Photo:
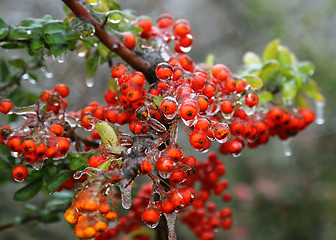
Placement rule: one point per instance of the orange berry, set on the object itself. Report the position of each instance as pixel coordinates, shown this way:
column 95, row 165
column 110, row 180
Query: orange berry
column 90, row 205
column 118, row 70
column 5, row 106
column 145, row 167
column 175, row 154
column 71, row 215
column 104, row 208
column 57, row 129
column 14, row 144
column 129, row 40
column 168, row 106
column 89, row 232
column 100, row 226
column 181, row 28
column 28, row 146
column 111, row 216
column 62, row 89
column 19, row 172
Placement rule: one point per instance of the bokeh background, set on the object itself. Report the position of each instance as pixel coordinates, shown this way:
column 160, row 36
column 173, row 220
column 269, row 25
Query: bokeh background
column 275, row 197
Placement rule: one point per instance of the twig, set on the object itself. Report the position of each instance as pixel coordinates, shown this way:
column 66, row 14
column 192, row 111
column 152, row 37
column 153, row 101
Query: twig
column 109, row 40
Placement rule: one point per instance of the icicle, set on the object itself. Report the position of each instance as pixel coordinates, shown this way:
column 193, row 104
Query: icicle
column 171, row 219
column 320, row 112
column 287, row 147
column 126, row 198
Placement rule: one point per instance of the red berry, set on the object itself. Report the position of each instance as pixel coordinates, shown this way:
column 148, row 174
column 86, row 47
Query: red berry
column 62, row 89
column 19, row 173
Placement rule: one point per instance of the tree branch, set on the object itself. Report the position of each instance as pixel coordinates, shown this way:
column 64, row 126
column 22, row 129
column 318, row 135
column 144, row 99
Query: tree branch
column 109, row 40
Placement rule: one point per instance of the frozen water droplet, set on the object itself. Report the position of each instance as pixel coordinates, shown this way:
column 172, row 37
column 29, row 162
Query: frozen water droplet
column 15, row 154
column 320, row 112
column 78, row 174
column 25, row 76
column 185, row 49
column 89, row 82
column 126, row 198
column 287, row 147
column 81, row 54
column 47, row 74
column 171, row 219
column 37, row 165
column 60, row 58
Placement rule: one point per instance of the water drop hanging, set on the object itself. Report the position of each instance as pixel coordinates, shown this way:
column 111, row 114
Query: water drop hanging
column 320, row 112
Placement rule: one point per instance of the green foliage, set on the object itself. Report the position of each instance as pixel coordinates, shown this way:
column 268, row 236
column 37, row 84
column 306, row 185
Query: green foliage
column 29, row 191
column 284, row 78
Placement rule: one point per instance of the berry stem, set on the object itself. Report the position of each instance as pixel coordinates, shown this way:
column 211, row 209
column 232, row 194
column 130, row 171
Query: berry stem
column 108, row 39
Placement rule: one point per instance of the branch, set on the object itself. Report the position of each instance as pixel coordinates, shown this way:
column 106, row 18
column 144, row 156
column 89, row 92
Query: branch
column 109, row 40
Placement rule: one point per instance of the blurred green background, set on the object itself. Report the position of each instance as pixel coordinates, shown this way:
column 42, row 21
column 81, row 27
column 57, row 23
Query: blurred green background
column 275, row 197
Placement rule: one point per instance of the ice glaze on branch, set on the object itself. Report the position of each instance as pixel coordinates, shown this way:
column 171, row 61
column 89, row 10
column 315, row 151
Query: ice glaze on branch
column 108, row 39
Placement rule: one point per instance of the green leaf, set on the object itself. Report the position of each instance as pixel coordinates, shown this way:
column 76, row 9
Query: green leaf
column 53, row 27
column 55, row 38
column 253, row 80
column 105, row 165
column 301, row 101
column 29, row 191
column 20, row 33
column 56, row 181
column 3, row 29
column 12, row 45
column 306, row 68
column 48, row 217
column 104, row 52
column 251, row 59
column 4, row 164
column 158, row 100
column 4, row 70
column 265, row 96
column 16, row 95
column 58, row 49
column 210, row 60
column 18, row 63
column 271, row 50
column 284, row 55
column 92, row 64
column 109, row 137
column 77, row 163
column 268, row 70
column 311, row 90
column 289, row 90
column 36, row 42
column 57, row 203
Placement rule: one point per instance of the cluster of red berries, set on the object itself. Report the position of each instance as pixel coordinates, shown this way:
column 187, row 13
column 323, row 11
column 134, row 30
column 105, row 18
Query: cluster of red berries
column 55, row 98
column 168, row 29
column 204, row 218
column 256, row 130
column 41, row 136
column 92, row 210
